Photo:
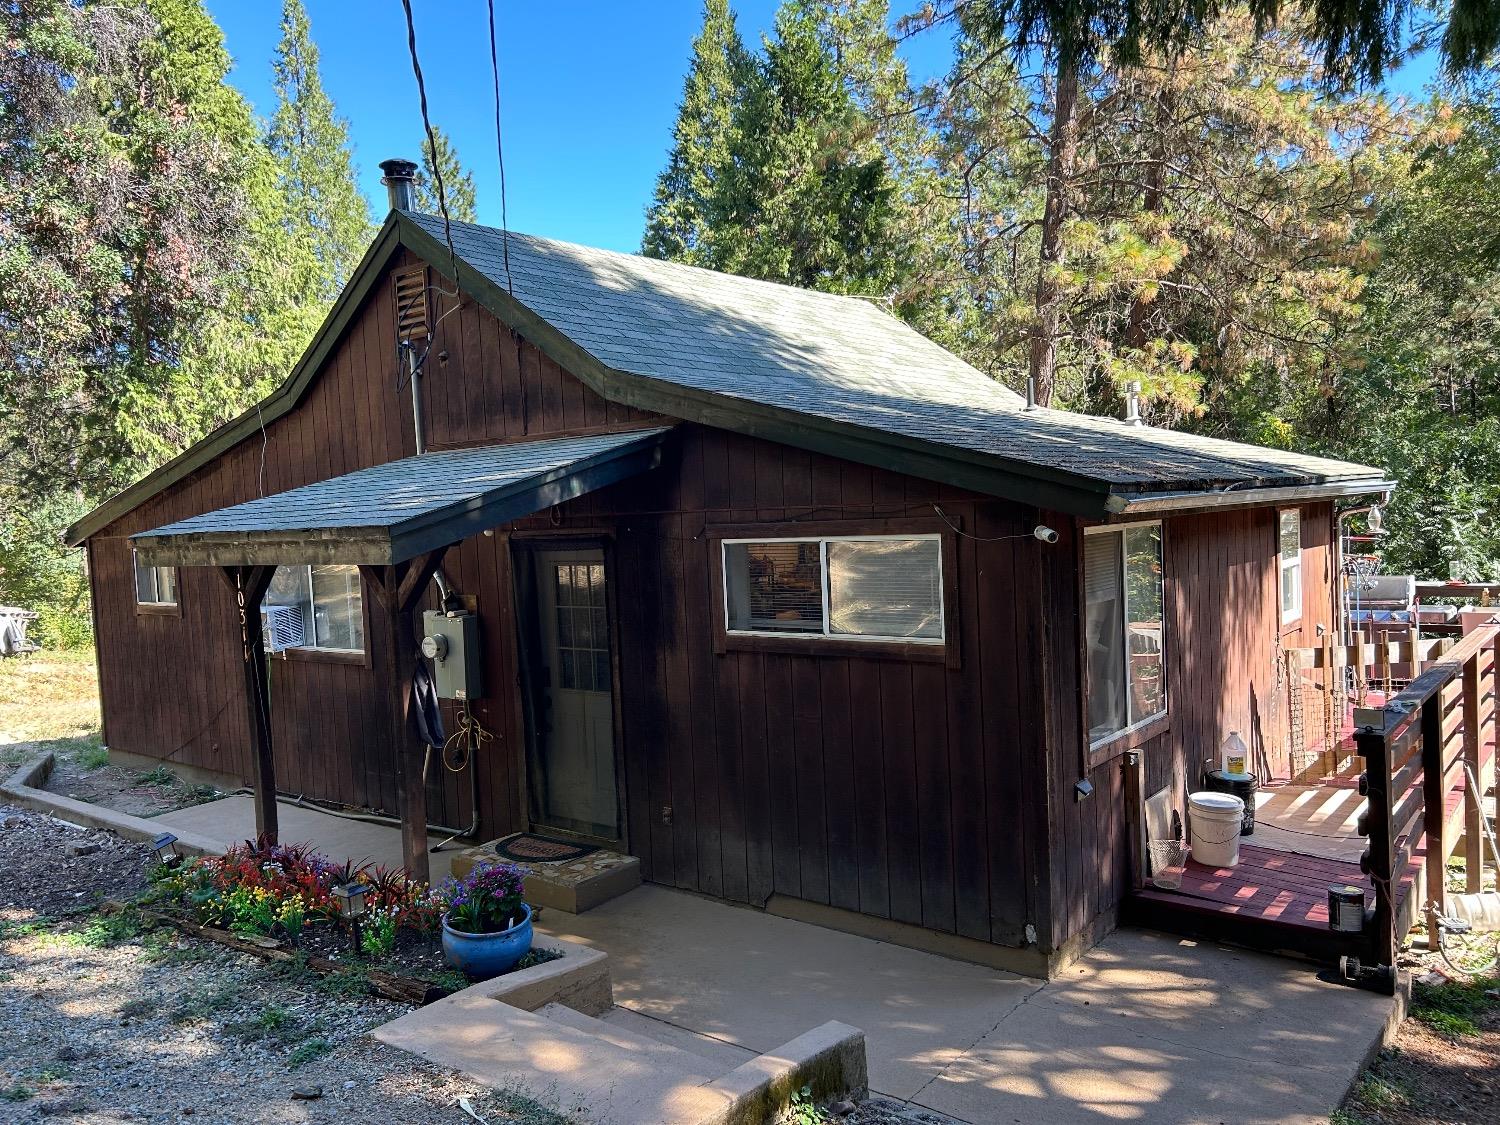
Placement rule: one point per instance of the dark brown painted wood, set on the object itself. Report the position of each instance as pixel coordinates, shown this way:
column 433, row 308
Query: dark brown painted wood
column 930, row 785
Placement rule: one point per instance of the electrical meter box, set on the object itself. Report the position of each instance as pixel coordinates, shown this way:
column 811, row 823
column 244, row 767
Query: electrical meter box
column 452, row 644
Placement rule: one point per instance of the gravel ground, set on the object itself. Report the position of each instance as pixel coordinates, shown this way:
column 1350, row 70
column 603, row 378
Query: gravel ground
column 159, row 1027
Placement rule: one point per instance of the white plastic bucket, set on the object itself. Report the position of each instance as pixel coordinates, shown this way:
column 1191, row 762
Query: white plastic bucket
column 1214, row 820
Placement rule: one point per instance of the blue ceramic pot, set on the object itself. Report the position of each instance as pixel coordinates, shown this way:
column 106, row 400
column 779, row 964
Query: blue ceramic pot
column 480, row 956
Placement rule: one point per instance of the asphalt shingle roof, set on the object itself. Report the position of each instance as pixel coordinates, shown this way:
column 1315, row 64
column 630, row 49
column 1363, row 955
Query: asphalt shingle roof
column 391, row 499
column 843, row 359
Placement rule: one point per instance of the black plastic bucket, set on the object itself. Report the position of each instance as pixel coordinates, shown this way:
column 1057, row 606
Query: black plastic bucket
column 1217, row 781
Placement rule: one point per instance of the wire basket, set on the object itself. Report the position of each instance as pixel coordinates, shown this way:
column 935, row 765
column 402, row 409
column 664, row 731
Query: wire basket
column 1168, row 859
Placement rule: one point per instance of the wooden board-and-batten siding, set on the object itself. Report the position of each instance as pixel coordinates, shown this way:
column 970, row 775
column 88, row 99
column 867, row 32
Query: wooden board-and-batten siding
column 917, row 789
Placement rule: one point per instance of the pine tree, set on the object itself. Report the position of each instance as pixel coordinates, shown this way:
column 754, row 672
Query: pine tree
column 458, row 181
column 677, row 222
column 324, row 204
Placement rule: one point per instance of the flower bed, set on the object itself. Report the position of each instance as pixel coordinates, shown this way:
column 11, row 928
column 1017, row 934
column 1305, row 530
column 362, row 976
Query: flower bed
column 286, row 893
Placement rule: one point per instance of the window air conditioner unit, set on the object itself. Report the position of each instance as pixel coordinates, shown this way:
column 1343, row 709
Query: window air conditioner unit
column 282, row 627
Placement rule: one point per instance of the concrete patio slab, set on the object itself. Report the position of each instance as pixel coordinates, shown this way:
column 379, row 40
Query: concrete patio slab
column 1145, row 1027
column 757, row 980
column 231, row 820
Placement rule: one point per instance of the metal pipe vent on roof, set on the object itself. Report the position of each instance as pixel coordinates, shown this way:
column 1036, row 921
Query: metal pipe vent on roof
column 400, row 182
column 1133, row 405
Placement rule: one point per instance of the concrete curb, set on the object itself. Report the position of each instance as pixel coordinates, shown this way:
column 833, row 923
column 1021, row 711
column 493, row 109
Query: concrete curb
column 24, row 788
column 829, row 1059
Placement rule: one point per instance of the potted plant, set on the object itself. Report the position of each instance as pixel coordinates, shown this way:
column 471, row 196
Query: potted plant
column 486, row 925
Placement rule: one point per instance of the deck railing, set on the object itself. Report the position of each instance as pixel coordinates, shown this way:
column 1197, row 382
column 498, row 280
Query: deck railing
column 1415, row 751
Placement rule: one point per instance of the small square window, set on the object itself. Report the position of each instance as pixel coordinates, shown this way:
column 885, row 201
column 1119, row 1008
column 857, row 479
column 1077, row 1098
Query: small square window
column 155, row 585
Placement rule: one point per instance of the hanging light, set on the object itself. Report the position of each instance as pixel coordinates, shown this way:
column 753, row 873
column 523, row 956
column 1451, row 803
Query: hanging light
column 165, row 847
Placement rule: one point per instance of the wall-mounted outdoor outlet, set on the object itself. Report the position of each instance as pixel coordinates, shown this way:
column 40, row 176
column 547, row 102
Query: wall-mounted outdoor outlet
column 666, row 814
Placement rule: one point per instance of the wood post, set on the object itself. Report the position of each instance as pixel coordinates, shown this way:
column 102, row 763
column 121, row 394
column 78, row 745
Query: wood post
column 399, row 588
column 1473, row 833
column 250, row 584
column 1435, row 815
column 1379, row 860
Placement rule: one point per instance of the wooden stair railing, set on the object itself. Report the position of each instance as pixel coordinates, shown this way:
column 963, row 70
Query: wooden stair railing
column 1415, row 750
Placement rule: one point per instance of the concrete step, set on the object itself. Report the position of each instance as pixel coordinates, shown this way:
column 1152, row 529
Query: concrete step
column 623, row 1080
column 642, row 1044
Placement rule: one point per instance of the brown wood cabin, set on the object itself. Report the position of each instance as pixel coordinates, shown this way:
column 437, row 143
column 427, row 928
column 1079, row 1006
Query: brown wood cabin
column 760, row 591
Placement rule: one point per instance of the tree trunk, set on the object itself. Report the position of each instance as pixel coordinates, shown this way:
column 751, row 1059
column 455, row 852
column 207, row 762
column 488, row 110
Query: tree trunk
column 1061, row 160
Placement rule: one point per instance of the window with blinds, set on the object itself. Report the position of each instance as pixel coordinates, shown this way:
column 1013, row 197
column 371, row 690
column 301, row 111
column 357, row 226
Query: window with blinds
column 857, row 587
column 1123, row 628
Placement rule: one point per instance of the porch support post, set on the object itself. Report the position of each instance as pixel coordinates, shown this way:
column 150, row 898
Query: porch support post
column 399, row 588
column 249, row 584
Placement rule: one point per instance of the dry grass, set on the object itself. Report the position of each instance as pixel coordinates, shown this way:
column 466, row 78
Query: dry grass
column 48, row 697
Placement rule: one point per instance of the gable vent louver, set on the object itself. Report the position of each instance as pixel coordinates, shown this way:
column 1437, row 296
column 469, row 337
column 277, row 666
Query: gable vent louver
column 411, row 304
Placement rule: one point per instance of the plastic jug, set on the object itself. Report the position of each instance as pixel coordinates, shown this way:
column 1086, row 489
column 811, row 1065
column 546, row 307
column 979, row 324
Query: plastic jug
column 1234, row 756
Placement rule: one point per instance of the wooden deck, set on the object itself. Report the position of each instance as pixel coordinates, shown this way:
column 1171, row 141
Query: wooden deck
column 1272, row 900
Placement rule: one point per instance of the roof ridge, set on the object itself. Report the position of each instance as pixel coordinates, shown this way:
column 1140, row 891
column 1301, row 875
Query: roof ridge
column 868, row 300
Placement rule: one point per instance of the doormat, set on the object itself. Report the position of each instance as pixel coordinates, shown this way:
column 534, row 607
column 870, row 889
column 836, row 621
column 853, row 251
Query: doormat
column 528, row 847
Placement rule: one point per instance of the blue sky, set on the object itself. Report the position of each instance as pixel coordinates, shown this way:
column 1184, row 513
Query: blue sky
column 589, row 91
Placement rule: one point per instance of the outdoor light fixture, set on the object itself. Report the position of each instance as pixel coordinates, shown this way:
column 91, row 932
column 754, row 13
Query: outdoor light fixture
column 351, row 899
column 165, row 847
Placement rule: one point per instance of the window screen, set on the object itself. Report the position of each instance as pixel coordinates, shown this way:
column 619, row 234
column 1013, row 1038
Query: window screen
column 883, row 588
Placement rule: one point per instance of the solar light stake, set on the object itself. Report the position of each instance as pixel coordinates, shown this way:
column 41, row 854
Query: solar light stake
column 165, row 847
column 351, row 900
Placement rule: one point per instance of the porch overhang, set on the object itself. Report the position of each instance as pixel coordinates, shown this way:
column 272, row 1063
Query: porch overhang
column 390, row 513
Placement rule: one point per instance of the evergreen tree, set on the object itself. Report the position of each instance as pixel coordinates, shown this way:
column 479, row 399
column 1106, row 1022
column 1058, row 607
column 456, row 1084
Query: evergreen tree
column 677, row 222
column 458, row 181
column 323, row 202
column 806, row 195
column 122, row 216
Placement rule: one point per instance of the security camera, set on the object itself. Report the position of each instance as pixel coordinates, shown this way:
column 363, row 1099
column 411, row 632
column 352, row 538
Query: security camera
column 1044, row 533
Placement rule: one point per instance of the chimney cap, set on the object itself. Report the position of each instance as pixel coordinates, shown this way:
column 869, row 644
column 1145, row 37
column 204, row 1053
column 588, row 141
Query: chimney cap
column 400, row 183
column 399, row 168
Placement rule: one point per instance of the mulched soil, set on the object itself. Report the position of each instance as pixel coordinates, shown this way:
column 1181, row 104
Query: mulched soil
column 104, row 1024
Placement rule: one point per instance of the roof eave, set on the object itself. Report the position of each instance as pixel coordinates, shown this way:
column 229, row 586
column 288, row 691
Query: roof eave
column 1127, row 505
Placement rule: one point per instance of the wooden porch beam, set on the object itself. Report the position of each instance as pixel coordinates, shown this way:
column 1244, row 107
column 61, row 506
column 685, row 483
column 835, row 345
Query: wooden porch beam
column 398, row 588
column 250, row 584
